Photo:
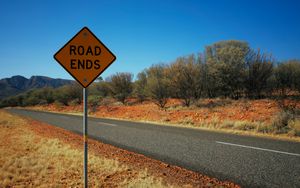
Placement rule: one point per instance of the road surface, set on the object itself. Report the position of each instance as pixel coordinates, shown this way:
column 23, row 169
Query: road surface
column 248, row 161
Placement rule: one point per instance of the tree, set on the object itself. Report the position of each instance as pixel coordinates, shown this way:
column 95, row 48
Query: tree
column 287, row 76
column 121, row 86
column 183, row 74
column 296, row 76
column 140, row 86
column 101, row 88
column 200, row 77
column 99, row 79
column 259, row 69
column 158, row 84
column 226, row 67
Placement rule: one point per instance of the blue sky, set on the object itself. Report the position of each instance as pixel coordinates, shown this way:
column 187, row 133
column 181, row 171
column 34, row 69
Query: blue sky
column 141, row 33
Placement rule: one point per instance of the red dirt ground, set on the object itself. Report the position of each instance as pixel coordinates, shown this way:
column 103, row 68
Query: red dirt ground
column 205, row 111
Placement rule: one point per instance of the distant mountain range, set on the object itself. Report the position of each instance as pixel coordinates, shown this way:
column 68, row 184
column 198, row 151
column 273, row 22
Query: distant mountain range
column 18, row 84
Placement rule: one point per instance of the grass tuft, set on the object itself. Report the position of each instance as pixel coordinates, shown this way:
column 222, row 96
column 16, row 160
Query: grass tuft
column 245, row 125
column 295, row 127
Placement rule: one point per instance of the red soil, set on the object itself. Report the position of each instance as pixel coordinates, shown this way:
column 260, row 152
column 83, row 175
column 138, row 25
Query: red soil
column 206, row 110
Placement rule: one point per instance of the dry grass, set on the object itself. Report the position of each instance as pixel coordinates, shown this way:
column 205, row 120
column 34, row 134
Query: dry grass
column 295, row 127
column 29, row 160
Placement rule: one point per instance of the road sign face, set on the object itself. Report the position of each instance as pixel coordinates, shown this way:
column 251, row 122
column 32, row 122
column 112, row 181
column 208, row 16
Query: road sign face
column 85, row 57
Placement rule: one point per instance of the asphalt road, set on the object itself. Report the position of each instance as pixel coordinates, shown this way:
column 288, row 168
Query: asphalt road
column 248, row 161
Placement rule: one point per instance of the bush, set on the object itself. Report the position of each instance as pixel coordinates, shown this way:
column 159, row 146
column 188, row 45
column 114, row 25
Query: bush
column 74, row 102
column 140, row 86
column 225, row 62
column 241, row 125
column 58, row 104
column 94, row 102
column 187, row 121
column 284, row 122
column 68, row 93
column 32, row 97
column 184, row 73
column 61, row 96
column 45, row 94
column 158, row 85
column 287, row 75
column 281, row 123
column 215, row 122
column 265, row 128
column 106, row 102
column 294, row 125
column 43, row 102
column 121, row 86
column 101, row 88
column 258, row 72
column 31, row 100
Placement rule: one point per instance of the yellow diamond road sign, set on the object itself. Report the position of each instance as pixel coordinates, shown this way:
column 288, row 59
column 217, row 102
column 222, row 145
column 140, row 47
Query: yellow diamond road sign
column 85, row 57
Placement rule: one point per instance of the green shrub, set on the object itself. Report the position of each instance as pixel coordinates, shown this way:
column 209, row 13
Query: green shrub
column 68, row 93
column 121, row 86
column 43, row 102
column 106, row 101
column 31, row 100
column 74, row 102
column 140, row 86
column 58, row 104
column 101, row 88
column 93, row 102
column 158, row 85
column 284, row 122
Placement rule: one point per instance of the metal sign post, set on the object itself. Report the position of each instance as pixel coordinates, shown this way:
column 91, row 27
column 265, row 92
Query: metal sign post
column 85, row 135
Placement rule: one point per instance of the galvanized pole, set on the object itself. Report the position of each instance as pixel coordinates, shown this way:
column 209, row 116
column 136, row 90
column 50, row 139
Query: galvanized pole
column 85, row 133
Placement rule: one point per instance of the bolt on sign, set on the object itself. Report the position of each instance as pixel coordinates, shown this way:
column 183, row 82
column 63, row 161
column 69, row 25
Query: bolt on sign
column 85, row 57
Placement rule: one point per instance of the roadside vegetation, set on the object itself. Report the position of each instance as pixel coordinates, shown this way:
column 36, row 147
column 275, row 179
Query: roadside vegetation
column 225, row 71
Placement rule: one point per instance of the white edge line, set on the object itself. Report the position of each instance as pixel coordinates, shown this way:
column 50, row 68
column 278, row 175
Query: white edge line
column 257, row 148
column 109, row 124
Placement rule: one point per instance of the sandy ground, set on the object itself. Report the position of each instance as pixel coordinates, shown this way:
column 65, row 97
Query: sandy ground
column 35, row 154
